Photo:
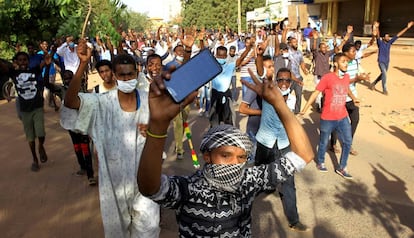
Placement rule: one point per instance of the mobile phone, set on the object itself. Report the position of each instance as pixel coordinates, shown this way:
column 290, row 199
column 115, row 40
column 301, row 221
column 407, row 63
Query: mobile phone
column 193, row 74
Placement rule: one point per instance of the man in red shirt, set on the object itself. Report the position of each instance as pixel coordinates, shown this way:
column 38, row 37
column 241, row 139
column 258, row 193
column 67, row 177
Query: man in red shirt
column 334, row 115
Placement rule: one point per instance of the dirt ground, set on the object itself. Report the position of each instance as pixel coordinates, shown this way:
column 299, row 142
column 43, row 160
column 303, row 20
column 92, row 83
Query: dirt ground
column 378, row 202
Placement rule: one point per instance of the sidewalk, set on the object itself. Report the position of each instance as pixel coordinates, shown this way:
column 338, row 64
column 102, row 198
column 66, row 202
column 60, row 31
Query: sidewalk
column 378, row 202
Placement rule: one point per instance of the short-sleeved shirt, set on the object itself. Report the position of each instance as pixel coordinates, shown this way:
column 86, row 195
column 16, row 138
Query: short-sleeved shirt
column 336, row 91
column 253, row 122
column 222, row 81
column 296, row 58
column 322, row 62
column 29, row 87
column 271, row 128
column 352, row 71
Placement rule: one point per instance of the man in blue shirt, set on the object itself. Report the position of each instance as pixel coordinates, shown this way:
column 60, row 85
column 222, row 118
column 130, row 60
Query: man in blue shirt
column 384, row 46
column 222, row 110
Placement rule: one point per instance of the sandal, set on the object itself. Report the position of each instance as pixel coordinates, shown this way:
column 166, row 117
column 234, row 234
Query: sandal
column 43, row 155
column 335, row 149
column 35, row 167
column 353, row 152
column 92, row 181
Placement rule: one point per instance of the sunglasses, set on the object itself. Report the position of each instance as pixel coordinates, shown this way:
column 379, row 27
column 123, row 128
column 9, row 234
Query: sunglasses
column 284, row 80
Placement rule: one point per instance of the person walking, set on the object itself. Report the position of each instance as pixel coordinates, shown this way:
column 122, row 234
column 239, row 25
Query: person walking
column 384, row 47
column 334, row 116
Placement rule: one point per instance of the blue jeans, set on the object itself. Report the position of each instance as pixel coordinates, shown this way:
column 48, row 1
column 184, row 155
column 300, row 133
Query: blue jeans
column 204, row 97
column 343, row 127
column 383, row 76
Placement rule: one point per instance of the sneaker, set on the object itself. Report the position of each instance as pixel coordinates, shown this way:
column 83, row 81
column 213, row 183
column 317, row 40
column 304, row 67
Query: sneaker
column 201, row 112
column 343, row 173
column 42, row 154
column 372, row 86
column 180, row 156
column 92, row 181
column 81, row 172
column 298, row 227
column 321, row 167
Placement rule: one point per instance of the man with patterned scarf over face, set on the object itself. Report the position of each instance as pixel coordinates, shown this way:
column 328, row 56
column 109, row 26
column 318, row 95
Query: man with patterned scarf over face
column 216, row 201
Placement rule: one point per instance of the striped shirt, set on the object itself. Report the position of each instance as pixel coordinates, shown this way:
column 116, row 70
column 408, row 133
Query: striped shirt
column 353, row 72
column 250, row 65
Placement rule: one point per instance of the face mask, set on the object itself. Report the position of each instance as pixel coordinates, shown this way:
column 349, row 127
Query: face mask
column 284, row 92
column 127, row 86
column 341, row 73
column 285, row 55
column 225, row 177
column 180, row 58
column 221, row 61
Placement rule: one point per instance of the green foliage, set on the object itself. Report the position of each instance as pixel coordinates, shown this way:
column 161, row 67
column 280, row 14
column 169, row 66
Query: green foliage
column 24, row 20
column 216, row 13
column 138, row 22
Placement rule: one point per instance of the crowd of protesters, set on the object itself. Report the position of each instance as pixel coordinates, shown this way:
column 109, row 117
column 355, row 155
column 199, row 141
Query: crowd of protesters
column 271, row 65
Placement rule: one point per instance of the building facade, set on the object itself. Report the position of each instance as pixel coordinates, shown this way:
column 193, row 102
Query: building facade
column 335, row 15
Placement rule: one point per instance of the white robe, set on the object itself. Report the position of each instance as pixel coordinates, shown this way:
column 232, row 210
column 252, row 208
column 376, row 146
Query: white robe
column 125, row 212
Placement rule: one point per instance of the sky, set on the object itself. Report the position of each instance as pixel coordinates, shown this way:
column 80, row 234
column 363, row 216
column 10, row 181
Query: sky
column 152, row 7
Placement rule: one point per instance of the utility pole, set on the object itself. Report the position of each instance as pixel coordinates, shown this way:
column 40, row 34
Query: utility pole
column 239, row 16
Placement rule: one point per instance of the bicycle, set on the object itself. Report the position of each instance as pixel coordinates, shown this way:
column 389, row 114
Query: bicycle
column 9, row 90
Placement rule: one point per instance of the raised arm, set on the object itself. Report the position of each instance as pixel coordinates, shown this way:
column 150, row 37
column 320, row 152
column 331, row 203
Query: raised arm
column 375, row 30
column 162, row 111
column 244, row 54
column 349, row 30
column 298, row 138
column 72, row 99
column 260, row 49
column 409, row 25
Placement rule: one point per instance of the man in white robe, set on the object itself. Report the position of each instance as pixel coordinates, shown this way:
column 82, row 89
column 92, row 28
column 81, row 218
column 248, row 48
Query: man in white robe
column 113, row 119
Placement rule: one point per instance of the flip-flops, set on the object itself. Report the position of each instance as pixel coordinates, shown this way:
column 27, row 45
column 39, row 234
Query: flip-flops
column 42, row 154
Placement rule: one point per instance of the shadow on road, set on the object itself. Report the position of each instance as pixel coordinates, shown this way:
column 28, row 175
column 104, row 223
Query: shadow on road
column 405, row 137
column 407, row 71
column 391, row 208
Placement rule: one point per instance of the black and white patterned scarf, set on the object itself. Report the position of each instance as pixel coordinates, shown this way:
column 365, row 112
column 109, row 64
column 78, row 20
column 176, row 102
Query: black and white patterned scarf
column 225, row 135
column 225, row 177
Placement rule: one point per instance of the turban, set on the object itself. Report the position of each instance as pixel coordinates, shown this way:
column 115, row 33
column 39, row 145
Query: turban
column 225, row 135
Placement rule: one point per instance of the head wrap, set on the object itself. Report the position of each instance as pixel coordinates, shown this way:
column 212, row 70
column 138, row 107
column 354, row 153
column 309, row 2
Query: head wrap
column 225, row 135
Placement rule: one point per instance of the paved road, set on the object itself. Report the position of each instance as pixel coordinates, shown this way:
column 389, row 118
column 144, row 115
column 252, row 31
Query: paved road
column 377, row 203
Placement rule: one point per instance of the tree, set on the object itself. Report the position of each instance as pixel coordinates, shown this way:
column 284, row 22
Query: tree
column 26, row 20
column 138, row 22
column 216, row 13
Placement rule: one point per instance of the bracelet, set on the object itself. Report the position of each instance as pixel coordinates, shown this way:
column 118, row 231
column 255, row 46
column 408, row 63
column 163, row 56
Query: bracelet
column 155, row 135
